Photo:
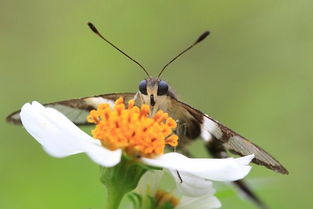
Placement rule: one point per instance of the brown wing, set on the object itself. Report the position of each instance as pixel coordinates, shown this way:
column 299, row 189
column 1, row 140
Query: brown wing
column 213, row 130
column 77, row 109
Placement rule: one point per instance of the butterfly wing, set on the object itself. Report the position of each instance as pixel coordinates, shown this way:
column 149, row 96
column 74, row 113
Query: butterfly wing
column 213, row 130
column 77, row 109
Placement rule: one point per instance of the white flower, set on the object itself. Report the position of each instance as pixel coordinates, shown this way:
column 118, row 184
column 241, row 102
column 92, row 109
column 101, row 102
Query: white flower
column 59, row 137
column 191, row 185
column 149, row 184
column 207, row 201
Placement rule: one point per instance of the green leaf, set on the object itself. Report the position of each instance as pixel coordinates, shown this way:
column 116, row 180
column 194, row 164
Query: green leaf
column 136, row 199
column 152, row 201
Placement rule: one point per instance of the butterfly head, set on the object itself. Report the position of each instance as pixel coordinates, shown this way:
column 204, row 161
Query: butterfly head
column 154, row 91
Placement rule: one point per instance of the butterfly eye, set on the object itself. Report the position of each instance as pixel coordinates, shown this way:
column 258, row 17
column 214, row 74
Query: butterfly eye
column 143, row 87
column 162, row 88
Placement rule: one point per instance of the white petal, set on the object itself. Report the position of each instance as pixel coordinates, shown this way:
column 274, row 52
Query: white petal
column 192, row 186
column 60, row 137
column 228, row 169
column 204, row 202
column 101, row 155
column 150, row 182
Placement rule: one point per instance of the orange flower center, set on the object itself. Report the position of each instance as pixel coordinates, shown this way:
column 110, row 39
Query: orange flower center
column 132, row 130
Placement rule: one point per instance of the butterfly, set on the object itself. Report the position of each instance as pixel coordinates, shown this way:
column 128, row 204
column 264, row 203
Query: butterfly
column 192, row 123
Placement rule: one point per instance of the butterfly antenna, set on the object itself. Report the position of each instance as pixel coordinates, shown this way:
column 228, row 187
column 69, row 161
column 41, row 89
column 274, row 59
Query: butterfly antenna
column 95, row 30
column 201, row 38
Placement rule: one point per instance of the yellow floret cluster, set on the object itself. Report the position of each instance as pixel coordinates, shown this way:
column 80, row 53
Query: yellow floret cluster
column 132, row 130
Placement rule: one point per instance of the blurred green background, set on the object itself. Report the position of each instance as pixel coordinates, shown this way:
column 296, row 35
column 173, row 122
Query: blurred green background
column 254, row 74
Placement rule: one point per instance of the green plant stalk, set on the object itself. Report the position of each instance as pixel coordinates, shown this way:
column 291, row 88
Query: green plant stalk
column 121, row 179
column 114, row 198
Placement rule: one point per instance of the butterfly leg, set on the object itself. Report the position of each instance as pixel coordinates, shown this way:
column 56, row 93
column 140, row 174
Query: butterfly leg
column 216, row 149
column 181, row 132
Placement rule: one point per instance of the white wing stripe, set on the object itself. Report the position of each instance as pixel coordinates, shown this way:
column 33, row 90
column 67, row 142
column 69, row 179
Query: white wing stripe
column 95, row 101
column 209, row 128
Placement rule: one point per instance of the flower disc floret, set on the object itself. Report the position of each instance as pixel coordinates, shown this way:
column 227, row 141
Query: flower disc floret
column 132, row 130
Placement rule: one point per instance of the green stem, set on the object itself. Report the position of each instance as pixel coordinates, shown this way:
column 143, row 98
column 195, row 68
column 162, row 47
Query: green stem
column 120, row 180
column 114, row 198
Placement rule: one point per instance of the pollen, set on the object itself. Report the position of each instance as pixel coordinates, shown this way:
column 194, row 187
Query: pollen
column 132, row 130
